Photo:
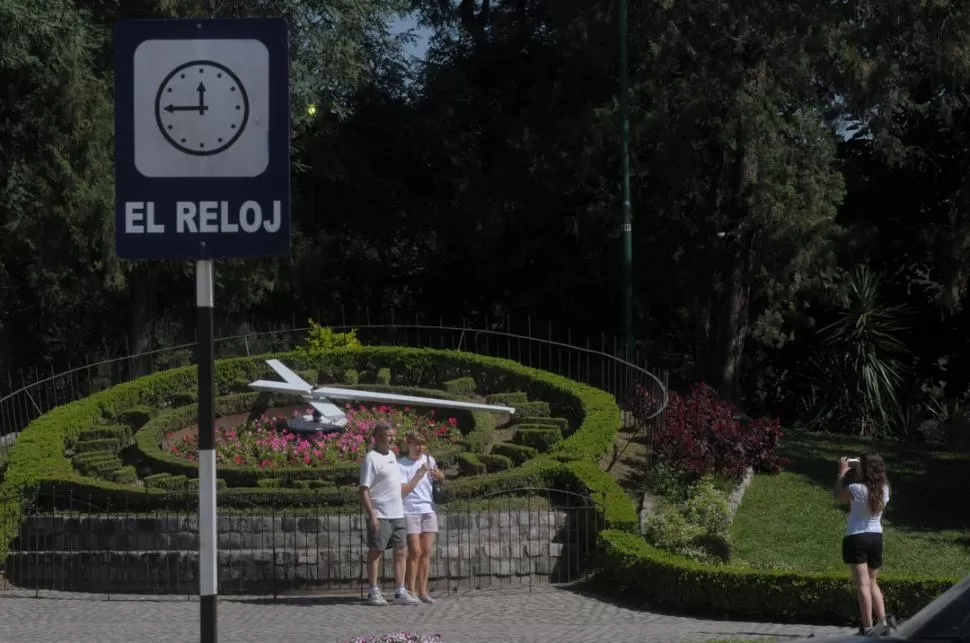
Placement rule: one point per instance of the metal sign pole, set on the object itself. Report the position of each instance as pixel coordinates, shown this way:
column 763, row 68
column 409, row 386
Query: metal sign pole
column 208, row 554
column 625, row 156
column 202, row 172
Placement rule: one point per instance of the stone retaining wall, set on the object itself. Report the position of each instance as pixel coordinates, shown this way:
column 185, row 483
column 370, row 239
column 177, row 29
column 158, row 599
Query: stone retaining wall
column 274, row 553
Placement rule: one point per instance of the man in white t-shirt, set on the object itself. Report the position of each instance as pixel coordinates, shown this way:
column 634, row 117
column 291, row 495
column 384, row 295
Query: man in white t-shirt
column 382, row 487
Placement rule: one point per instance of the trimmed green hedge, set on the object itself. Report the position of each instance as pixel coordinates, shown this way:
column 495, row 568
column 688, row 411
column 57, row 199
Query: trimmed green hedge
column 137, row 416
column 463, row 386
column 476, row 464
column 118, row 432
column 494, row 462
column 518, row 453
column 508, row 399
column 524, row 410
column 37, row 458
column 166, row 481
column 540, row 438
column 631, row 566
column 184, row 398
column 97, row 445
column 98, row 464
column 561, row 423
column 470, row 465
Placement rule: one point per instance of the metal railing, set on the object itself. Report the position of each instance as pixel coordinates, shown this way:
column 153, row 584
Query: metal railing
column 597, row 363
column 516, row 538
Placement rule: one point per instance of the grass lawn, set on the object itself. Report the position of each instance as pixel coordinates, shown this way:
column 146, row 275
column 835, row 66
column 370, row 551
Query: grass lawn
column 789, row 521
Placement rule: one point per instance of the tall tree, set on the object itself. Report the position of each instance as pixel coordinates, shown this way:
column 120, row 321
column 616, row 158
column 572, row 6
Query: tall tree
column 58, row 271
column 904, row 78
column 738, row 185
column 337, row 47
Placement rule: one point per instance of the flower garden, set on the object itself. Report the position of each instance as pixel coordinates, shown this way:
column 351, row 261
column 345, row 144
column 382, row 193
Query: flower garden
column 133, row 446
column 267, row 443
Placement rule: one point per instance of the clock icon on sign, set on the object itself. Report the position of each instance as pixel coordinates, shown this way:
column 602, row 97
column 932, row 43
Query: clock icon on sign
column 201, row 108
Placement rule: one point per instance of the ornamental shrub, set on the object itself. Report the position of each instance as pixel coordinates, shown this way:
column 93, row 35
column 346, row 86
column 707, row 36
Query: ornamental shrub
column 701, row 436
column 669, row 529
column 707, row 508
column 696, row 527
column 321, row 340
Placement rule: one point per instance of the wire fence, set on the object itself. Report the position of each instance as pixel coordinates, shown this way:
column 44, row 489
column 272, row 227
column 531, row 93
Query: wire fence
column 517, row 538
column 596, row 362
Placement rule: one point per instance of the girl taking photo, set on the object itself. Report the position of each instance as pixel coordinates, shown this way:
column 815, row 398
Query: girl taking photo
column 862, row 543
column 420, row 518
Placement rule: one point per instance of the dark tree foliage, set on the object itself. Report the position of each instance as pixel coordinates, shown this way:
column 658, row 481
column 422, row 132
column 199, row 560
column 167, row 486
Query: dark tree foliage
column 799, row 180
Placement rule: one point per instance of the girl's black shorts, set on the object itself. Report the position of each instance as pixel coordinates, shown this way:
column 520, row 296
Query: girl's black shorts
column 863, row 548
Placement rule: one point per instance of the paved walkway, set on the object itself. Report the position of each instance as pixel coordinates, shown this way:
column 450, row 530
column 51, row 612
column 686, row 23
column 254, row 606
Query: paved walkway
column 546, row 614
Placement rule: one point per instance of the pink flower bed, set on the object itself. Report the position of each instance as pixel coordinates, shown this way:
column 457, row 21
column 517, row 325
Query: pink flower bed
column 267, row 443
column 398, row 637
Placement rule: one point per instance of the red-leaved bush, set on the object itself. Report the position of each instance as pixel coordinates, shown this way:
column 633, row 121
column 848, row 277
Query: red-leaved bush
column 700, row 435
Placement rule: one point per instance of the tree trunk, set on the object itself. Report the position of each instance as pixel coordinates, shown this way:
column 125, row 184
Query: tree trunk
column 733, row 315
column 706, row 295
column 733, row 326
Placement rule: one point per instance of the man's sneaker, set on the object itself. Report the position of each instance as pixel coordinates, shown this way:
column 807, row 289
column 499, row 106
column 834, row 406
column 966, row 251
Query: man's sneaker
column 406, row 598
column 426, row 599
column 376, row 598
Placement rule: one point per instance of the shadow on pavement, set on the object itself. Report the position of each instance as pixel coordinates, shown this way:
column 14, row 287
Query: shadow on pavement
column 296, row 601
column 603, row 591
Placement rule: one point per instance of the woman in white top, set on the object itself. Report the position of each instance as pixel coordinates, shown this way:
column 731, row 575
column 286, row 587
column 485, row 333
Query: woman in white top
column 862, row 543
column 420, row 518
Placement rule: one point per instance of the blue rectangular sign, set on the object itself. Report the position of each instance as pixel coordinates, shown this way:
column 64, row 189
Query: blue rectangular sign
column 202, row 138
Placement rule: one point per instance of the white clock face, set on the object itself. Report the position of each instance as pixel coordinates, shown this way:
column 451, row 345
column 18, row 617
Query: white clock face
column 201, row 108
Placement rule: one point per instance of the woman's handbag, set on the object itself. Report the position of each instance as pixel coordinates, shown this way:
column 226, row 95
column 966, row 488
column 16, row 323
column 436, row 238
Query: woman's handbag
column 437, row 493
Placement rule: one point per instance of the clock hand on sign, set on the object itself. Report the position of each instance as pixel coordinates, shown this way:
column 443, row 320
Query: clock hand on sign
column 201, row 108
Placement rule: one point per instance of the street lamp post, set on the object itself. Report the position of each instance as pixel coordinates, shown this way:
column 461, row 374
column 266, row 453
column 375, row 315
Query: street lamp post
column 625, row 156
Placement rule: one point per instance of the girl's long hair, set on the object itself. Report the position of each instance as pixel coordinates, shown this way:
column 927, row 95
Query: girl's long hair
column 873, row 474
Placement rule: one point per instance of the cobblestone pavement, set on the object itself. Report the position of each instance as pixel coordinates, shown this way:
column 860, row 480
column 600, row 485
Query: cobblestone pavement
column 545, row 614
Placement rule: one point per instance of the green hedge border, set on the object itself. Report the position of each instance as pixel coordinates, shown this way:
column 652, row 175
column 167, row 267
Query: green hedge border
column 37, row 458
column 636, row 569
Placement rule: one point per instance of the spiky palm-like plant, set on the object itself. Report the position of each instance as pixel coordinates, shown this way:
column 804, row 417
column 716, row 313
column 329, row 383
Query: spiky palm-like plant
column 858, row 370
